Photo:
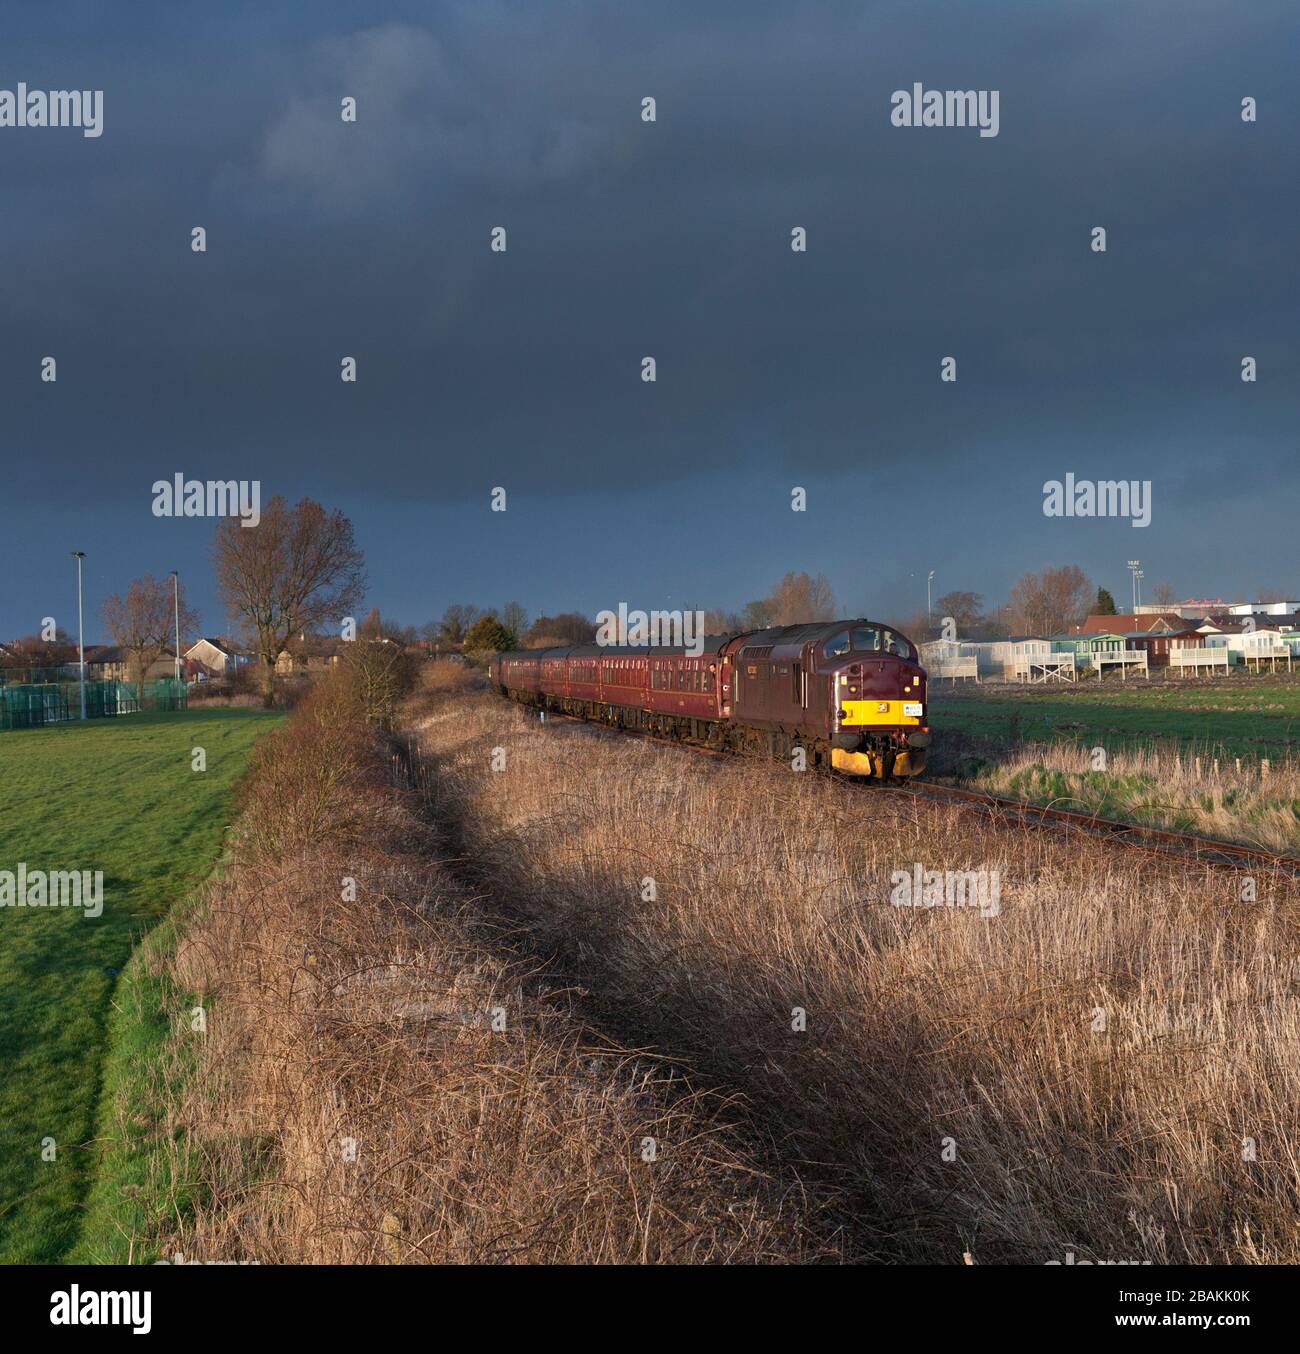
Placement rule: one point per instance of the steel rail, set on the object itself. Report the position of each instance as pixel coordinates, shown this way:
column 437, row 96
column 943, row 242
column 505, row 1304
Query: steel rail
column 1162, row 841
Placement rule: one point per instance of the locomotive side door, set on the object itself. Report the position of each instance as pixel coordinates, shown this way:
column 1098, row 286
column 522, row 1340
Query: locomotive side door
column 799, row 671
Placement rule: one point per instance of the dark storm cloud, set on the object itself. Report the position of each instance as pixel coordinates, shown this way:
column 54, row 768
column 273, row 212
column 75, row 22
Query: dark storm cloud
column 671, row 239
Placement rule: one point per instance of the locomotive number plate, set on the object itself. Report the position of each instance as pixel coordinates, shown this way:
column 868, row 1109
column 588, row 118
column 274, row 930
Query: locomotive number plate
column 913, row 709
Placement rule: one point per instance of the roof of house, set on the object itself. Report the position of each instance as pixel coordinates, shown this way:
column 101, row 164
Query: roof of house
column 315, row 646
column 218, row 644
column 1162, row 634
column 1127, row 621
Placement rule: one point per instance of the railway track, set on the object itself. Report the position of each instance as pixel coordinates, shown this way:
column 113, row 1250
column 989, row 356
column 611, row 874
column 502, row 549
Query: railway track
column 1140, row 836
column 1137, row 836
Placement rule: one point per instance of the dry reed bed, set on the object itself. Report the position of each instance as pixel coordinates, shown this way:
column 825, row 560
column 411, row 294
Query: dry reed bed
column 1184, row 791
column 352, row 1101
column 1078, row 1073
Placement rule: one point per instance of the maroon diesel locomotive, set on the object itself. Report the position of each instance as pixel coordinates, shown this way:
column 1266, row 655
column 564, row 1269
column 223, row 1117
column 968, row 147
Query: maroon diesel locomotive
column 850, row 693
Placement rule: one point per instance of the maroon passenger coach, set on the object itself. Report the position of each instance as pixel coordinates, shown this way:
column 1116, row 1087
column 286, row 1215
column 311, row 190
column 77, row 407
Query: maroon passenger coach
column 851, row 694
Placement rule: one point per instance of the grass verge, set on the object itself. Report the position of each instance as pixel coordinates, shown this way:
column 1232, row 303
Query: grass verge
column 121, row 796
column 384, row 1078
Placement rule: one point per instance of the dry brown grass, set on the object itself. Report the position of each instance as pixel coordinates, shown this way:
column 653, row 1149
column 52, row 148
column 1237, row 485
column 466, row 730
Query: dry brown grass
column 354, row 1099
column 1092, row 1058
column 1213, row 796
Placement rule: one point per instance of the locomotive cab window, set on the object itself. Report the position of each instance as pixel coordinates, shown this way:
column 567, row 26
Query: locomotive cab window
column 838, row 646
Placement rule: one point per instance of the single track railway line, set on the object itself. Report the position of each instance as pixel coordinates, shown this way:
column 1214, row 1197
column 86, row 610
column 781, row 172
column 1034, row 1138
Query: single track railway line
column 1184, row 846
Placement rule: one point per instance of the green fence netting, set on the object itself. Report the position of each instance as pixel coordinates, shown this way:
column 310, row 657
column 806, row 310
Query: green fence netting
column 30, row 705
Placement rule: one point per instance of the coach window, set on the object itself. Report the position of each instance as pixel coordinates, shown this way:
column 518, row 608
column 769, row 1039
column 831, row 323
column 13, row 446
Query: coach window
column 838, row 646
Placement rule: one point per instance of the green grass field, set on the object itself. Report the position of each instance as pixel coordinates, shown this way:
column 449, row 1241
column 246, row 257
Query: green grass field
column 1252, row 719
column 116, row 795
column 1173, row 752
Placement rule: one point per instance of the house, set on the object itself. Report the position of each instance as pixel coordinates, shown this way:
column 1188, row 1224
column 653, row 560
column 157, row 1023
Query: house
column 216, row 657
column 1156, row 644
column 984, row 649
column 109, row 662
column 935, row 651
column 1264, row 608
column 308, row 654
column 1262, row 620
column 1194, row 609
column 1084, row 645
column 1249, row 643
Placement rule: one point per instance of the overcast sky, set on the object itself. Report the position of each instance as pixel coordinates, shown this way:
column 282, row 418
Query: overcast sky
column 668, row 239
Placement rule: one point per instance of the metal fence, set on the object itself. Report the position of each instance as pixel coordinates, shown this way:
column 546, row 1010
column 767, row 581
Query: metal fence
column 31, row 705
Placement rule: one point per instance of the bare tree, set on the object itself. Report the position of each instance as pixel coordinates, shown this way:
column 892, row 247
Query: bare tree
column 143, row 622
column 456, row 620
column 798, row 597
column 1051, row 601
column 34, row 651
column 380, row 675
column 569, row 627
column 722, row 622
column 297, row 570
column 1164, row 595
column 965, row 608
column 515, row 619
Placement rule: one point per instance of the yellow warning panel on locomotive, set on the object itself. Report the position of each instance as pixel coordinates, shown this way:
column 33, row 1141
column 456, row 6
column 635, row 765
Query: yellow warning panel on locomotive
column 900, row 714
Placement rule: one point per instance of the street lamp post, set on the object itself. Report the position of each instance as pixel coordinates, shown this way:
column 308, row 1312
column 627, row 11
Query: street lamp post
column 176, row 604
column 1133, row 569
column 81, row 635
column 1137, row 583
column 929, row 620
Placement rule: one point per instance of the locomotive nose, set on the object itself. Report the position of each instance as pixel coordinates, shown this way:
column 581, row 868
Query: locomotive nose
column 880, row 727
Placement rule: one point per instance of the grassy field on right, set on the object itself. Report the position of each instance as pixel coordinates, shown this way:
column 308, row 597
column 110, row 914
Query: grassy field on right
column 1240, row 716
column 1184, row 755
